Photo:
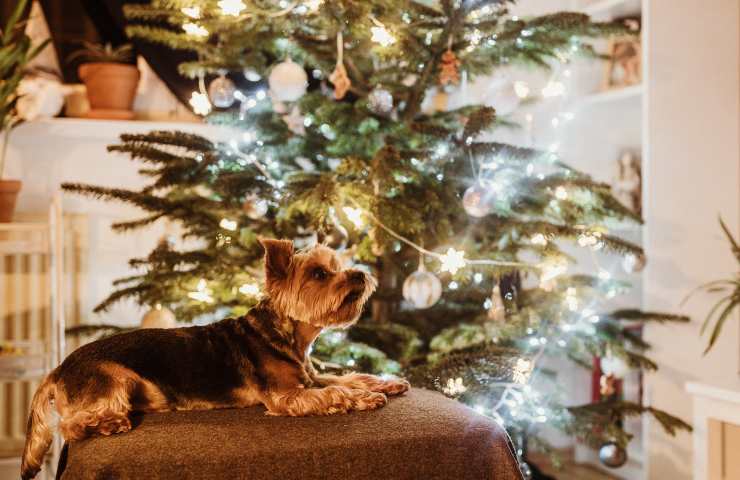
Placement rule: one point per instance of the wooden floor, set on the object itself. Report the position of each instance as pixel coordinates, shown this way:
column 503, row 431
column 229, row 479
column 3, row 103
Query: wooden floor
column 570, row 469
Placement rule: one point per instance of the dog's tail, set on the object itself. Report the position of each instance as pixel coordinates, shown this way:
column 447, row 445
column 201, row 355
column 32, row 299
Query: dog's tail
column 38, row 433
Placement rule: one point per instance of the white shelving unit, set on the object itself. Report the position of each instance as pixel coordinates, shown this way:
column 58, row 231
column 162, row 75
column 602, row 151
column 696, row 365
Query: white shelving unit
column 33, row 309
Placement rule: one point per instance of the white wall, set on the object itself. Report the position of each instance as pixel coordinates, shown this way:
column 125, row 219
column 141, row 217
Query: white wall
column 692, row 175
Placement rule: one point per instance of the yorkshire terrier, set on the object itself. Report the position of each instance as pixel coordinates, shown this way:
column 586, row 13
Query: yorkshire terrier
column 261, row 358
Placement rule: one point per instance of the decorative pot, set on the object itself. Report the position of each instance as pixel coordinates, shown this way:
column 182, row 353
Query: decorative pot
column 111, row 88
column 8, row 195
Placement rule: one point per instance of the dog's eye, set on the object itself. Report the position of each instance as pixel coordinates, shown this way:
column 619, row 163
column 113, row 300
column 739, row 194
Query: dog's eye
column 319, row 274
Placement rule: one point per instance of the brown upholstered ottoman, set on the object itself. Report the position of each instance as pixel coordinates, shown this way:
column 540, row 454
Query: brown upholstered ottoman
column 422, row 435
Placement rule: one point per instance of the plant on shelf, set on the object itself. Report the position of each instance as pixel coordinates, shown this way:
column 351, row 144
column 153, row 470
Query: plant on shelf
column 111, row 78
column 729, row 288
column 16, row 51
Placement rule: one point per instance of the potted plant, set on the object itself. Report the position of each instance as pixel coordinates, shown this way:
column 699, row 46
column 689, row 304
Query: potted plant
column 16, row 52
column 111, row 79
column 729, row 288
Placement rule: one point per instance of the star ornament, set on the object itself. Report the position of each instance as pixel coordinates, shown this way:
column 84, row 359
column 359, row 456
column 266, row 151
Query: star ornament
column 452, row 261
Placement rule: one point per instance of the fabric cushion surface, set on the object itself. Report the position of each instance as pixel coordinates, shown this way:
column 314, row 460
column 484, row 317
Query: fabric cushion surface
column 422, row 435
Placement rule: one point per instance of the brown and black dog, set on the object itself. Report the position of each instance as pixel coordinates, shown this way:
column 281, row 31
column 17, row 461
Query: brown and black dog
column 261, row 358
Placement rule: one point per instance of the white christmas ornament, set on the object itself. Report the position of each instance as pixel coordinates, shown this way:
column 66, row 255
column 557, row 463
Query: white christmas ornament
column 380, row 101
column 611, row 365
column 634, row 263
column 288, row 81
column 475, row 201
column 422, row 289
column 221, row 92
column 159, row 317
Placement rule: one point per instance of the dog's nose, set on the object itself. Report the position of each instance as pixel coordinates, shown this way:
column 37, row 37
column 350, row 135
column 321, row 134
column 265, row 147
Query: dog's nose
column 357, row 276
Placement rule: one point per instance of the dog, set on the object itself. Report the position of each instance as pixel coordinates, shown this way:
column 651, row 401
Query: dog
column 260, row 358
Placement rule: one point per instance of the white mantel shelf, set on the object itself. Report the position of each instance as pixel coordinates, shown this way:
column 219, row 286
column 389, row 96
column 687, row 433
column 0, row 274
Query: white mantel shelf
column 81, row 128
column 710, row 403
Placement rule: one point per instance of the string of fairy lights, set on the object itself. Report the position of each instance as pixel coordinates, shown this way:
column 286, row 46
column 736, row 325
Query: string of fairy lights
column 288, row 81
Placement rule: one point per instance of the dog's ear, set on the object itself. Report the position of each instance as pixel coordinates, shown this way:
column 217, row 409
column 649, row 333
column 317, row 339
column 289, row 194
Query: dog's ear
column 278, row 255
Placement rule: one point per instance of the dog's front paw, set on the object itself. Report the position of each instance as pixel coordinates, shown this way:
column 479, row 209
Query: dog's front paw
column 369, row 400
column 394, row 387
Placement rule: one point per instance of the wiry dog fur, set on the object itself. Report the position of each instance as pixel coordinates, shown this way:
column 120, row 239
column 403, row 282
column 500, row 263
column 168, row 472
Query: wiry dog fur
column 261, row 358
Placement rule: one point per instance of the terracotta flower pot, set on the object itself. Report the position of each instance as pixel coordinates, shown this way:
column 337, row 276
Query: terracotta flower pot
column 8, row 195
column 111, row 88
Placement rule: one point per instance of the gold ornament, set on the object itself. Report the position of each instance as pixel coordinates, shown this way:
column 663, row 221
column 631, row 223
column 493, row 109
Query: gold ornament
column 448, row 68
column 159, row 317
column 497, row 312
column 339, row 76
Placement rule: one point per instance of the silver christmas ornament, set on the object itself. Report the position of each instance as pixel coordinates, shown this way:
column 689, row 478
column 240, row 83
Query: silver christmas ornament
column 422, row 289
column 337, row 237
column 634, row 263
column 475, row 200
column 612, row 455
column 221, row 92
column 380, row 101
column 159, row 317
column 252, row 75
column 288, row 81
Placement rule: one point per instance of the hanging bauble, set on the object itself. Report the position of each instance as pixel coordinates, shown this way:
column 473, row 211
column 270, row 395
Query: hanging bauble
column 288, row 81
column 335, row 236
column 497, row 312
column 448, row 68
column 339, row 76
column 341, row 81
column 475, row 200
column 422, row 289
column 616, row 366
column 607, row 385
column 255, row 207
column 159, row 317
column 634, row 263
column 612, row 455
column 304, row 238
column 380, row 101
column 504, row 99
column 221, row 92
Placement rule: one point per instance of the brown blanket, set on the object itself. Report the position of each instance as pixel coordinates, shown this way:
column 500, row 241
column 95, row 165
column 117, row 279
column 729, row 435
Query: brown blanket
column 422, row 435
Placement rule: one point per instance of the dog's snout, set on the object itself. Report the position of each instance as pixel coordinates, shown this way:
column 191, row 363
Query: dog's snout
column 357, row 276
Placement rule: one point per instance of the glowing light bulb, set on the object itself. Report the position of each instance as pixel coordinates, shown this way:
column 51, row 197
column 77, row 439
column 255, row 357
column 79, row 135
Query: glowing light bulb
column 521, row 89
column 455, row 387
column 195, row 30
column 201, row 293
column 231, row 7
column 354, row 215
column 561, row 193
column 313, row 5
column 228, row 224
column 251, row 289
column 200, row 103
column 382, row 36
column 553, row 89
column 522, row 370
column 192, row 12
column 452, row 261
column 539, row 239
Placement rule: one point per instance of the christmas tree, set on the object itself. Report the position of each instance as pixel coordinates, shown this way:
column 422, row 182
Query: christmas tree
column 353, row 146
